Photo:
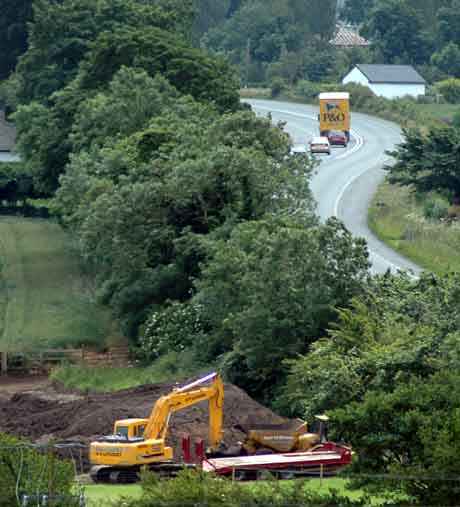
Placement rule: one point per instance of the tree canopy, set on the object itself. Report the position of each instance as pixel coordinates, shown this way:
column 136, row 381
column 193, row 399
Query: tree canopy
column 429, row 161
column 13, row 33
column 388, row 376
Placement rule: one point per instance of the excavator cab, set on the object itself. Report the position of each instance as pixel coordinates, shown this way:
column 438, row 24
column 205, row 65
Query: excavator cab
column 130, row 429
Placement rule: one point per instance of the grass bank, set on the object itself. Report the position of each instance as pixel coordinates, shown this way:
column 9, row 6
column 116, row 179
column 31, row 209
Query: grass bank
column 109, row 495
column 105, row 495
column 397, row 217
column 45, row 301
column 168, row 368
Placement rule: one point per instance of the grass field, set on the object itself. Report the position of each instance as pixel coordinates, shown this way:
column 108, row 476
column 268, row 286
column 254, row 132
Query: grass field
column 396, row 217
column 102, row 494
column 439, row 111
column 106, row 379
column 170, row 367
column 44, row 299
column 108, row 495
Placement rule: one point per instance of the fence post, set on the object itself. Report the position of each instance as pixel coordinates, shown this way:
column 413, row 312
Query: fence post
column 4, row 363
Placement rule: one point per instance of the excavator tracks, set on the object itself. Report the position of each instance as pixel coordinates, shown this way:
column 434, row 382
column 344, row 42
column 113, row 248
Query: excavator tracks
column 117, row 475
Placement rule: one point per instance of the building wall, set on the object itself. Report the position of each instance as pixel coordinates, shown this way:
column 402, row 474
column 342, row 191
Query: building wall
column 355, row 76
column 392, row 91
column 389, row 91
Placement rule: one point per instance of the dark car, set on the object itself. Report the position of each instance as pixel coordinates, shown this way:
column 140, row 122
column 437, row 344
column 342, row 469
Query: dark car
column 337, row 138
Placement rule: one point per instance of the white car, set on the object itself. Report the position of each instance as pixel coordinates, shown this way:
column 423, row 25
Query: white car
column 320, row 145
column 299, row 149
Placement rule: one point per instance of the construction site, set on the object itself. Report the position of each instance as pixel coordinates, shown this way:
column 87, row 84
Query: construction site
column 156, row 424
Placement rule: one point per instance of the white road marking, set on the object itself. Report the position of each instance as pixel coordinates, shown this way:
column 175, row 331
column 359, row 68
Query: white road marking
column 358, row 145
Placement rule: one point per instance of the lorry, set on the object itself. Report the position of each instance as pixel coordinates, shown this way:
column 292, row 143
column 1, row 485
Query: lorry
column 334, row 113
column 141, row 443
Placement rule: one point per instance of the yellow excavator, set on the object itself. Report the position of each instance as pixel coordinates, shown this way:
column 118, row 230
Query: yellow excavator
column 137, row 443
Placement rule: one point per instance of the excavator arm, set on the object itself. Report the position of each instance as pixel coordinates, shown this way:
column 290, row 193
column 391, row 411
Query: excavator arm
column 187, row 396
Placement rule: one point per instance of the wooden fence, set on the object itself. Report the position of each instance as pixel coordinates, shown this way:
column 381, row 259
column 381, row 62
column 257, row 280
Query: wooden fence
column 42, row 361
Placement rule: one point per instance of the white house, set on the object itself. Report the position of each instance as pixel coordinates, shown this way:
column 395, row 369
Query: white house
column 390, row 81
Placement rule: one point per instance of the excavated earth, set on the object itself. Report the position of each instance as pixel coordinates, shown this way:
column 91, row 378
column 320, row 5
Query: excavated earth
column 45, row 412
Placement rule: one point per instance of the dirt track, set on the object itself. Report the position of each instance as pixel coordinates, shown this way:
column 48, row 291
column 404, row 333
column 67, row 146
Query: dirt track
column 40, row 412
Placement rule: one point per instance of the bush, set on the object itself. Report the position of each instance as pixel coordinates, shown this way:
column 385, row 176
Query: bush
column 359, row 95
column 456, row 119
column 24, row 471
column 450, row 90
column 173, row 328
column 194, row 488
column 277, row 85
column 435, row 208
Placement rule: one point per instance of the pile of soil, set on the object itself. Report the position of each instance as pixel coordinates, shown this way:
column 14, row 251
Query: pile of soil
column 47, row 413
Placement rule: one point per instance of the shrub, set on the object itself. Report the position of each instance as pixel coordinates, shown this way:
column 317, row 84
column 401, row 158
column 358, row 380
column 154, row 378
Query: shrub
column 25, row 471
column 435, row 208
column 277, row 85
column 450, row 90
column 456, row 119
column 194, row 488
column 173, row 328
column 308, row 90
column 359, row 95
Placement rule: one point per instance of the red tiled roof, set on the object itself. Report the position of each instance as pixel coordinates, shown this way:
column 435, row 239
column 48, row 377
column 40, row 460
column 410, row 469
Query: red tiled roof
column 347, row 37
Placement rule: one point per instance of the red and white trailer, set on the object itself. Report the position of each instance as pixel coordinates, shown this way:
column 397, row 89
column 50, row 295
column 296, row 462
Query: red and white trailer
column 325, row 459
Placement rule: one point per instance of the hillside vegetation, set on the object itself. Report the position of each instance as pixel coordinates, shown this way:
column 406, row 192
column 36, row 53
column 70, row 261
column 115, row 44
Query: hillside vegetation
column 43, row 297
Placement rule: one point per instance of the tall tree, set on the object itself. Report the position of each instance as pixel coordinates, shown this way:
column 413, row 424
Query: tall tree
column 356, row 11
column 62, row 32
column 13, row 33
column 269, row 292
column 321, row 16
column 449, row 23
column 429, row 161
column 396, row 32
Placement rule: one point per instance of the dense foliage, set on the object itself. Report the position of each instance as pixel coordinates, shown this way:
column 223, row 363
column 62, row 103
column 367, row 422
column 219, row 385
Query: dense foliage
column 388, row 375
column 191, row 488
column 13, row 33
column 26, row 471
column 429, row 161
column 289, row 40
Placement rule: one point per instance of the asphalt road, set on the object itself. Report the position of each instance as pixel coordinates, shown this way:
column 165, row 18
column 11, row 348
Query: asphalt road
column 346, row 180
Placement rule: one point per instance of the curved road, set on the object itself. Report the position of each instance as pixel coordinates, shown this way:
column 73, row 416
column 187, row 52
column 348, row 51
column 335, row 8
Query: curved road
column 346, row 180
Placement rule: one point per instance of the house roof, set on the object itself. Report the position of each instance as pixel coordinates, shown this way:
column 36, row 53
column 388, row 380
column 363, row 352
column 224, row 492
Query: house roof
column 348, row 37
column 394, row 74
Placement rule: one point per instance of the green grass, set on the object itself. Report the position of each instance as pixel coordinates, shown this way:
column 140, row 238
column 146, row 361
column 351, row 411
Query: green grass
column 102, row 494
column 168, row 368
column 105, row 495
column 255, row 93
column 44, row 299
column 396, row 217
column 104, row 379
column 438, row 111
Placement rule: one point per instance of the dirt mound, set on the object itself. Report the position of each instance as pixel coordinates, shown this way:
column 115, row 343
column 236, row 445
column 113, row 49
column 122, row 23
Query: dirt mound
column 52, row 414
